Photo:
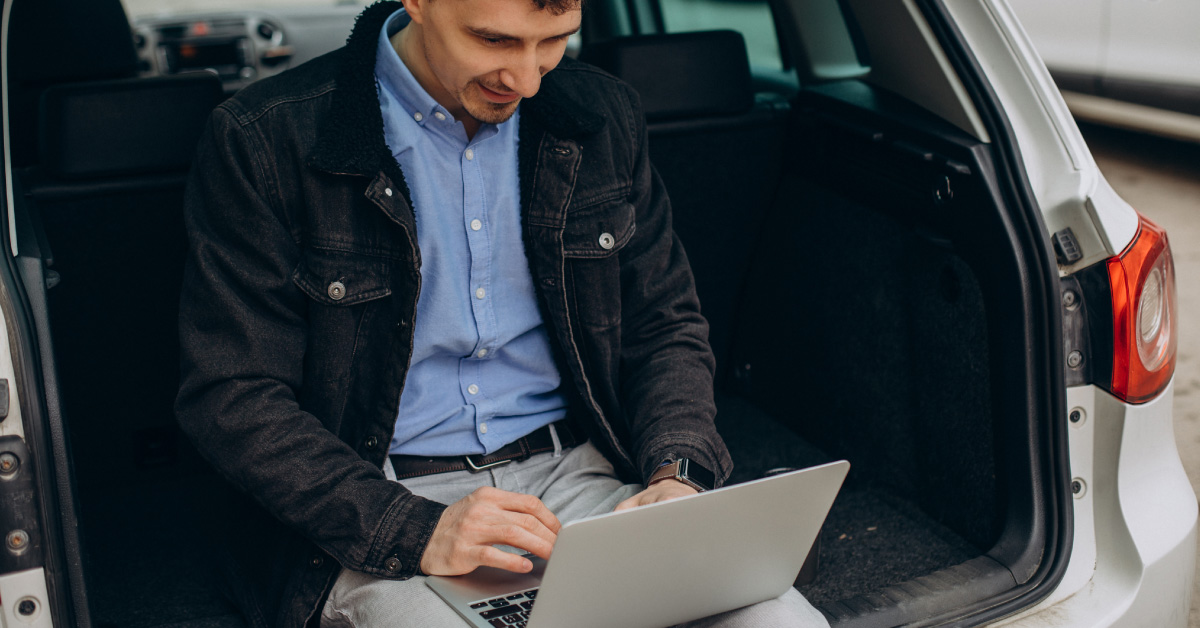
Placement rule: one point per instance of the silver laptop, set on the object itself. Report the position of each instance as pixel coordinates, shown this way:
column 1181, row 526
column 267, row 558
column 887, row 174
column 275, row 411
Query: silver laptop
column 662, row 564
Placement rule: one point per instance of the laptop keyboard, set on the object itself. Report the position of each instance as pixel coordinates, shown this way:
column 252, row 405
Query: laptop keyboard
column 510, row 611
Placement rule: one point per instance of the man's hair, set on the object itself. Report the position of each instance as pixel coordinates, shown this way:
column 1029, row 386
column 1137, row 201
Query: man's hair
column 558, row 7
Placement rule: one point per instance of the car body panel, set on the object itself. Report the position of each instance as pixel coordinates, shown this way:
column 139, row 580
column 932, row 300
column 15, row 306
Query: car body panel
column 1135, row 537
column 25, row 586
column 1077, row 48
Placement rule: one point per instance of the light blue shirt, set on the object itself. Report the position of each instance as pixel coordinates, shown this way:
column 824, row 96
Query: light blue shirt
column 482, row 373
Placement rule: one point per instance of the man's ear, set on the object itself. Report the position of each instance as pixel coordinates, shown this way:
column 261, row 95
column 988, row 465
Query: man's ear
column 415, row 10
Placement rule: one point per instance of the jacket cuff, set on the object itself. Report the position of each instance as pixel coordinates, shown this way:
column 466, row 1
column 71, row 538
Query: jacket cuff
column 683, row 445
column 402, row 537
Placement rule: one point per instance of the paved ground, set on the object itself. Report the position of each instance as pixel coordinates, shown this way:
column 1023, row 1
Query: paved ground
column 1161, row 178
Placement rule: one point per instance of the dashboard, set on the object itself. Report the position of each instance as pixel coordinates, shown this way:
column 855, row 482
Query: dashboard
column 240, row 46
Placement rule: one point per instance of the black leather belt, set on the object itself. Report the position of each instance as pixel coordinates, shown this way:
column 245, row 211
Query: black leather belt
column 536, row 442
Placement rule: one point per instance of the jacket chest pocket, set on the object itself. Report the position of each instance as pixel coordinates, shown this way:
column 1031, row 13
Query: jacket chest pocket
column 335, row 282
column 591, row 242
column 341, row 278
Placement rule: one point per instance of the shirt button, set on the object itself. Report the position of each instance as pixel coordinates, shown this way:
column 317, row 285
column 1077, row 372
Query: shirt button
column 483, row 428
column 481, row 353
column 473, row 389
column 476, row 225
column 607, row 241
column 439, row 115
column 372, row 442
column 479, row 293
column 418, row 117
column 392, row 564
column 336, row 290
column 387, row 191
column 316, row 561
column 470, row 154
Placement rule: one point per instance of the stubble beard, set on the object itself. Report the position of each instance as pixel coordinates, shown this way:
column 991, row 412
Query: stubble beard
column 481, row 109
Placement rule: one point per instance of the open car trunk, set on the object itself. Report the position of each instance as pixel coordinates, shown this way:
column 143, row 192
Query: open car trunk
column 872, row 288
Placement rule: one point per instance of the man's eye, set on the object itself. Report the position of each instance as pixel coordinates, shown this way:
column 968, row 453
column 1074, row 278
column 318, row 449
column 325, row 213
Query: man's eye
column 494, row 41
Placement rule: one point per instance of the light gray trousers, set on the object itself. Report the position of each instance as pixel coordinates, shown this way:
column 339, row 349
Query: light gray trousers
column 573, row 483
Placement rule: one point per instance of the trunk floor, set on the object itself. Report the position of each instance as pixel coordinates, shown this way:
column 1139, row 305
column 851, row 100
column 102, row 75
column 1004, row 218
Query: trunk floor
column 148, row 565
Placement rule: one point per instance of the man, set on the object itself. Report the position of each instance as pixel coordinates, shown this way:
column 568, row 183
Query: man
column 554, row 361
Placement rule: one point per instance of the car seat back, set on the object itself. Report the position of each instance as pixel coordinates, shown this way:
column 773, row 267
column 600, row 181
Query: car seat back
column 716, row 145
column 109, row 194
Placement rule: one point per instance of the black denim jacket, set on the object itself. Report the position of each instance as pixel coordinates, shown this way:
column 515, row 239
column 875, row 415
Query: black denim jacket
column 291, row 384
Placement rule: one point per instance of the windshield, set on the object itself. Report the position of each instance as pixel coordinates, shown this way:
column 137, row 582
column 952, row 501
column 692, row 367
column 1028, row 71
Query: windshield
column 143, row 8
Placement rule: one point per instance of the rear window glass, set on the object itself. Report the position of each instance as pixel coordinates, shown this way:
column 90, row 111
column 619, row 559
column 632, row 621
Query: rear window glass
column 752, row 18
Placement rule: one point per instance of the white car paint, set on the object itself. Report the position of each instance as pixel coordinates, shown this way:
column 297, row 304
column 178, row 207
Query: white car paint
column 1134, row 558
column 19, row 587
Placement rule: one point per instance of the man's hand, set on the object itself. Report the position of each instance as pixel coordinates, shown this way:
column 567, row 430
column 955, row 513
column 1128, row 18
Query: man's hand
column 659, row 492
column 468, row 529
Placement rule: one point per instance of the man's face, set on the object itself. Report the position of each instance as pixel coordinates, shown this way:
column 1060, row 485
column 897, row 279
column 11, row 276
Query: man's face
column 486, row 55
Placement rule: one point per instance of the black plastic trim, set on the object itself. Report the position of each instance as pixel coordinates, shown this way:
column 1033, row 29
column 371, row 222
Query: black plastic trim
column 949, row 587
column 46, row 440
column 1097, row 299
column 1047, row 387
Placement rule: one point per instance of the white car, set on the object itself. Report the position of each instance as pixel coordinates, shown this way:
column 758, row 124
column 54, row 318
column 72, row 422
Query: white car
column 904, row 248
column 1128, row 63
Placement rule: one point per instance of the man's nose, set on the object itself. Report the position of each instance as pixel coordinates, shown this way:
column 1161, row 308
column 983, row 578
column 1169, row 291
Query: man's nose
column 524, row 76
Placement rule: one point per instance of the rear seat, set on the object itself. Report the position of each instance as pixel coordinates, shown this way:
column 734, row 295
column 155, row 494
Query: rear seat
column 716, row 144
column 109, row 192
column 106, row 184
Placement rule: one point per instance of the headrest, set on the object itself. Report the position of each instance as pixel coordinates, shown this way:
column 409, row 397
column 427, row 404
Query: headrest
column 55, row 41
column 125, row 127
column 681, row 75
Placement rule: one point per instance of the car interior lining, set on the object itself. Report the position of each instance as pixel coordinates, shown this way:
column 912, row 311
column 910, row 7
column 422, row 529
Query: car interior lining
column 850, row 253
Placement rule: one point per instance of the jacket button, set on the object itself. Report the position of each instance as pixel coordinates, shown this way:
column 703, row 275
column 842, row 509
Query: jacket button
column 316, row 561
column 607, row 241
column 392, row 565
column 336, row 290
column 372, row 442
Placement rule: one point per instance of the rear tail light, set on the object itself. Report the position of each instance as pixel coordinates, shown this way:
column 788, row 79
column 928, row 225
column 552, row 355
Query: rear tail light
column 1142, row 281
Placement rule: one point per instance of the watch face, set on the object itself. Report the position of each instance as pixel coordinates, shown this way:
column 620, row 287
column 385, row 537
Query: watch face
column 697, row 474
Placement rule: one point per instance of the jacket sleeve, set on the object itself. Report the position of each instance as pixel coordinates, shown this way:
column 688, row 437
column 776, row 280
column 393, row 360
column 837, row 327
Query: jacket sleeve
column 243, row 335
column 667, row 365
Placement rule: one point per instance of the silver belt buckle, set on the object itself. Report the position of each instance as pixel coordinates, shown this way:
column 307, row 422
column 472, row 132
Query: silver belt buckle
column 475, row 468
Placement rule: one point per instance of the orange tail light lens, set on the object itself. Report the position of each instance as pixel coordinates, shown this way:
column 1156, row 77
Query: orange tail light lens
column 1142, row 280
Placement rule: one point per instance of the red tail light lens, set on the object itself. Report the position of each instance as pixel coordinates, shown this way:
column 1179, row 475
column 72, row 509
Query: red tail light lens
column 1142, row 279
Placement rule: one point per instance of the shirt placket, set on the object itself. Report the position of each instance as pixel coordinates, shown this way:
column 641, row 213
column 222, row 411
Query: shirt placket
column 475, row 221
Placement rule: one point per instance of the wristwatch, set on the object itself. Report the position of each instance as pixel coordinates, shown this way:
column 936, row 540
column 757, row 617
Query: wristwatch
column 686, row 471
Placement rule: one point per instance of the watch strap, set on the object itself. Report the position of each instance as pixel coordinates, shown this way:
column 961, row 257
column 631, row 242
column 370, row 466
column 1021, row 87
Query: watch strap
column 676, row 470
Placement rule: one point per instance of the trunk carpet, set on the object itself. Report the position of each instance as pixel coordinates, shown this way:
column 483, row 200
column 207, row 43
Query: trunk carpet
column 871, row 538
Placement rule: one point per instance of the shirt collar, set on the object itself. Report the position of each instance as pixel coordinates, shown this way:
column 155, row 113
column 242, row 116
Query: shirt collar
column 395, row 77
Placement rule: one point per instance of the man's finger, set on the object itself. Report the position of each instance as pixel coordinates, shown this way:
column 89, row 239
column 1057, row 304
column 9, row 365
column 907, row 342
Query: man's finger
column 632, row 502
column 535, row 525
column 491, row 557
column 528, row 504
column 520, row 538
